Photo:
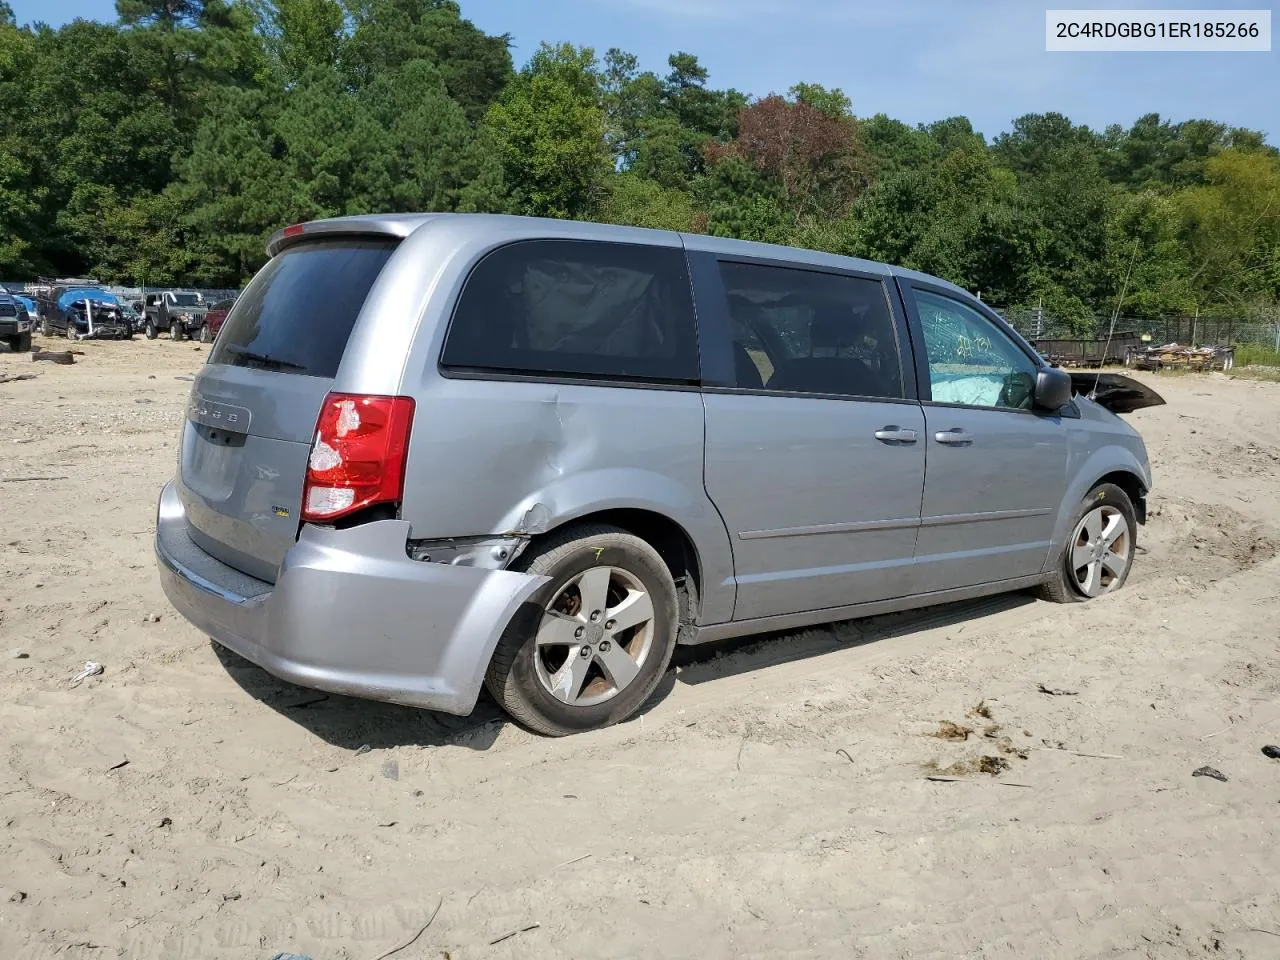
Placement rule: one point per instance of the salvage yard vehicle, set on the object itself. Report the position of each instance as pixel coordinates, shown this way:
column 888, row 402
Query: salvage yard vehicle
column 215, row 318
column 132, row 318
column 430, row 453
column 15, row 322
column 80, row 309
column 180, row 313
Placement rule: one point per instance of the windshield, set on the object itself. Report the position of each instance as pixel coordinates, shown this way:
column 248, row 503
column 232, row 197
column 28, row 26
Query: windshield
column 186, row 299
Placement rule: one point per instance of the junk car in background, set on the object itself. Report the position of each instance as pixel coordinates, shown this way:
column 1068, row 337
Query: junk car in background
column 15, row 322
column 215, row 318
column 80, row 309
column 181, row 313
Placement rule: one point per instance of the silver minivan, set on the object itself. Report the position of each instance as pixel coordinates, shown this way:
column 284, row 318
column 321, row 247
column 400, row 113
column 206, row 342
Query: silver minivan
column 431, row 453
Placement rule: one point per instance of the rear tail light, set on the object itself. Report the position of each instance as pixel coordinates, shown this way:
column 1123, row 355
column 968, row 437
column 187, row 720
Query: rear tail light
column 357, row 456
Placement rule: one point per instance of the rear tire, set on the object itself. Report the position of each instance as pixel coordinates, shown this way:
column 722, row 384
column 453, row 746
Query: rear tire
column 1089, row 566
column 71, row 329
column 601, row 674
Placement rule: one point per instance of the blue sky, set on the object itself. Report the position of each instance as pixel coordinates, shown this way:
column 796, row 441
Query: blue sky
column 916, row 60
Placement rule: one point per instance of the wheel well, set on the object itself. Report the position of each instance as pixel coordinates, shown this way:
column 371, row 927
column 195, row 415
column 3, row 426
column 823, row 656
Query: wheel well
column 1133, row 489
column 672, row 543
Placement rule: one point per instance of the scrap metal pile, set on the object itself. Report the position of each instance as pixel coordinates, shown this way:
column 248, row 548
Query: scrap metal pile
column 1177, row 355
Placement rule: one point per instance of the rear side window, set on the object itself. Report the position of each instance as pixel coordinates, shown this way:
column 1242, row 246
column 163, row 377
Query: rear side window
column 297, row 314
column 801, row 331
column 577, row 308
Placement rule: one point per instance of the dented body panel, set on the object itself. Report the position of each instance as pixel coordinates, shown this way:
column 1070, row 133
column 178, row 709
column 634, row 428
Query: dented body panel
column 428, row 646
column 410, row 609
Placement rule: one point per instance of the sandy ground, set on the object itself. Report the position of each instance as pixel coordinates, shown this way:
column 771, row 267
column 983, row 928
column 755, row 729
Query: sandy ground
column 772, row 801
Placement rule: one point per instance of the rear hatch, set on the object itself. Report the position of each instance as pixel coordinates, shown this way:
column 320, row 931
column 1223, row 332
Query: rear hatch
column 253, row 406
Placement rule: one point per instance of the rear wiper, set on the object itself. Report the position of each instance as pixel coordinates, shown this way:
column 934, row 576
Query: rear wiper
column 264, row 359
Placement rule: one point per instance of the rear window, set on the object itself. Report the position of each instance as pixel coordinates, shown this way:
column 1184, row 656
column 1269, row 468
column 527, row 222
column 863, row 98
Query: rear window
column 297, row 314
column 577, row 308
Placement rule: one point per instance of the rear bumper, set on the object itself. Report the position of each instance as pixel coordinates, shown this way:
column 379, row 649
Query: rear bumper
column 349, row 612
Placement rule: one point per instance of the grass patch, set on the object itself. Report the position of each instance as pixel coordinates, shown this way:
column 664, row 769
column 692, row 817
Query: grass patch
column 1269, row 374
column 1255, row 355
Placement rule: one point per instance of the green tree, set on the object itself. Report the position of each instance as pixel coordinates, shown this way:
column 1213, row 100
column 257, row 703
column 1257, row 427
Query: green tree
column 549, row 131
column 636, row 201
column 833, row 103
column 389, row 34
column 1230, row 229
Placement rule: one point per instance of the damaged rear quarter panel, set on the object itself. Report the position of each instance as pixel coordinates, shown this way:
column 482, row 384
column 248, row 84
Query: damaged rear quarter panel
column 500, row 456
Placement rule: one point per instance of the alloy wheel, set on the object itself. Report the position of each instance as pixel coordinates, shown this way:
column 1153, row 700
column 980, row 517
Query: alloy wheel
column 594, row 636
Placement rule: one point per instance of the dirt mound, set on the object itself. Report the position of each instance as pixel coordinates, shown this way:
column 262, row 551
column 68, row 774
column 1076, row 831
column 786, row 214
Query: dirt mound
column 1204, row 541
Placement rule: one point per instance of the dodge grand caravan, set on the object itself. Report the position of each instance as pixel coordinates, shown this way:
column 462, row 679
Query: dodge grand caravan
column 430, row 453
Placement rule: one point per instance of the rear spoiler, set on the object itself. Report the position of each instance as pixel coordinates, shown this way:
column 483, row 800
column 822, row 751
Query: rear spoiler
column 398, row 225
column 1118, row 393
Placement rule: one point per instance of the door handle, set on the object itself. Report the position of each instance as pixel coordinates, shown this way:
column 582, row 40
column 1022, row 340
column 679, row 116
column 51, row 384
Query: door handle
column 954, row 437
column 895, row 434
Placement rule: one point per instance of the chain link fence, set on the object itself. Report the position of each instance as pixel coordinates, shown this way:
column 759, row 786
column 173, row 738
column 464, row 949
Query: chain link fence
column 1193, row 331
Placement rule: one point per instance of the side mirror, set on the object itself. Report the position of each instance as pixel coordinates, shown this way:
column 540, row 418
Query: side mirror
column 1053, row 388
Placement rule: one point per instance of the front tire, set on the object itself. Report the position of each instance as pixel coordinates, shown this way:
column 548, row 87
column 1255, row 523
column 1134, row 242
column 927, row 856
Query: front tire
column 21, row 343
column 591, row 645
column 151, row 331
column 71, row 330
column 175, row 330
column 1097, row 557
column 205, row 335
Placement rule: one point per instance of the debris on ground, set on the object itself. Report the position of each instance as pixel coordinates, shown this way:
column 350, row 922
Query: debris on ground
column 952, row 731
column 992, row 765
column 363, row 749
column 1057, row 691
column 981, row 710
column 508, row 936
column 151, row 618
column 91, row 669
column 1210, row 772
column 11, row 378
column 63, row 357
column 1272, row 751
column 1005, row 745
column 18, row 654
column 985, row 764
